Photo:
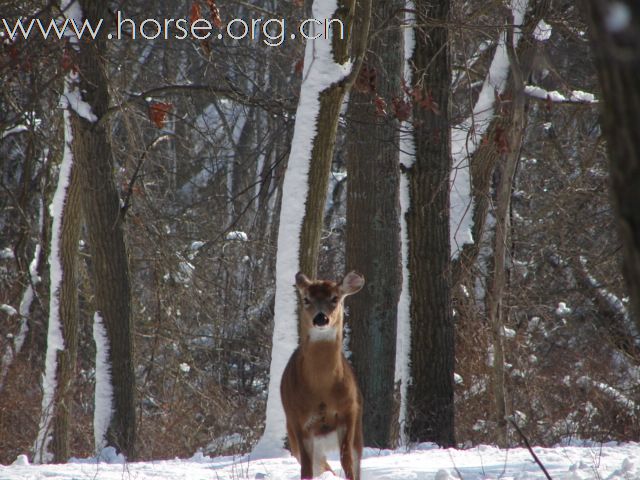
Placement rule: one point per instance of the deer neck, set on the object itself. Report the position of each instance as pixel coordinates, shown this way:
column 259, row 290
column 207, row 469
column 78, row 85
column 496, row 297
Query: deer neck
column 322, row 353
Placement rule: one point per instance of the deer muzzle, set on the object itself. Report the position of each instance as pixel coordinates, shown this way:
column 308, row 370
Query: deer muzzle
column 320, row 320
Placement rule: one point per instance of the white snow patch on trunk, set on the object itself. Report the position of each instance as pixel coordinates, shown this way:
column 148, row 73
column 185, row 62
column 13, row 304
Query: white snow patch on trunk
column 72, row 99
column 103, row 401
column 466, row 137
column 320, row 72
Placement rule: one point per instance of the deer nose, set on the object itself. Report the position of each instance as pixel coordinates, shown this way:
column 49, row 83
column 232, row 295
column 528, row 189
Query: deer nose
column 320, row 320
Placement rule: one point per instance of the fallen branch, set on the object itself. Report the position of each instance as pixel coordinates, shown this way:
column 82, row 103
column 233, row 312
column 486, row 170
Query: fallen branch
column 533, row 454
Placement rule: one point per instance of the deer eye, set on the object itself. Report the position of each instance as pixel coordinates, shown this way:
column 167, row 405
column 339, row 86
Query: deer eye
column 306, row 301
column 334, row 299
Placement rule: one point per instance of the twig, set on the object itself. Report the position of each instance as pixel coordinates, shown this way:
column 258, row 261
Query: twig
column 126, row 201
column 526, row 442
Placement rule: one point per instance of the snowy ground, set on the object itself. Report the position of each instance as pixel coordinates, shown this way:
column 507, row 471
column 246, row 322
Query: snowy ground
column 605, row 462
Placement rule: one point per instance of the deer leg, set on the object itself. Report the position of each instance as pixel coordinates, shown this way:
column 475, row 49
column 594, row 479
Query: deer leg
column 347, row 450
column 358, row 444
column 305, row 446
column 293, row 442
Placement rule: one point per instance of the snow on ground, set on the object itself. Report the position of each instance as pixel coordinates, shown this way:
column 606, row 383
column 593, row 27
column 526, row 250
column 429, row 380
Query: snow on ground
column 606, row 462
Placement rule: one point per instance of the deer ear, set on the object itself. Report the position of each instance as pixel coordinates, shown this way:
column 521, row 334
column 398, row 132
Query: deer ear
column 302, row 281
column 351, row 283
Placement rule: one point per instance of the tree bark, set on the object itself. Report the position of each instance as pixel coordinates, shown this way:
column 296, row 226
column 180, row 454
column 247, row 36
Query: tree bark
column 373, row 229
column 109, row 259
column 430, row 395
column 616, row 48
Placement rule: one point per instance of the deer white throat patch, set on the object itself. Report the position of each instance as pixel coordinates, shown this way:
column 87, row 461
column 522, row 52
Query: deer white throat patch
column 323, row 334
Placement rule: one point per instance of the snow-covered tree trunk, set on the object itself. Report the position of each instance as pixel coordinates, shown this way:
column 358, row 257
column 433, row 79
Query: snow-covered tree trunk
column 505, row 131
column 327, row 76
column 52, row 441
column 334, row 65
column 403, row 323
column 477, row 142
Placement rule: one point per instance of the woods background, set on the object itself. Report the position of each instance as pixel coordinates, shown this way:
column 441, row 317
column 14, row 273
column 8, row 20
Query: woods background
column 174, row 203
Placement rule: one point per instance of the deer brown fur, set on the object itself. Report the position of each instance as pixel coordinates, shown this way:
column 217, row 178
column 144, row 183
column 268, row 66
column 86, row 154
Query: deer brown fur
column 320, row 394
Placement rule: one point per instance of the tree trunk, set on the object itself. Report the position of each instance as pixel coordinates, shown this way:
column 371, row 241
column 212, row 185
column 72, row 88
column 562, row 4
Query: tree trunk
column 109, row 259
column 430, row 396
column 616, row 49
column 244, row 174
column 52, row 442
column 59, row 410
column 69, row 321
column 327, row 124
column 486, row 156
column 500, row 155
column 305, row 180
column 495, row 293
column 373, row 229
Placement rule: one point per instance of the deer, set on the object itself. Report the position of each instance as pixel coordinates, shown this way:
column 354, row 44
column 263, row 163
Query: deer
column 319, row 391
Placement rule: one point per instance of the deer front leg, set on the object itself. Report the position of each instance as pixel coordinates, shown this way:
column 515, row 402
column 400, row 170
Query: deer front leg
column 349, row 451
column 294, row 444
column 305, row 447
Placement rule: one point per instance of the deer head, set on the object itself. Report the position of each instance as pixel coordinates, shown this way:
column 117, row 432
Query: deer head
column 322, row 305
